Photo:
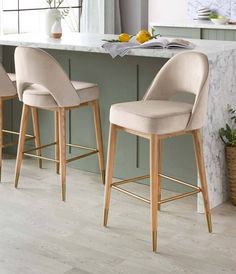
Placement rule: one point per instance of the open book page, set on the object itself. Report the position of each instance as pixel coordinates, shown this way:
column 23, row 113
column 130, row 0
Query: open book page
column 159, row 42
column 180, row 43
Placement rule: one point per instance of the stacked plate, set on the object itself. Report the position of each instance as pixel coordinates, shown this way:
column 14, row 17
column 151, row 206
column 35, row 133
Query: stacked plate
column 203, row 14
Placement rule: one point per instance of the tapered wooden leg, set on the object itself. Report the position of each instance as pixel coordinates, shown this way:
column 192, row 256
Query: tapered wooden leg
column 202, row 175
column 1, row 136
column 109, row 170
column 21, row 142
column 35, row 120
column 62, row 147
column 154, row 187
column 56, row 139
column 97, row 122
column 159, row 171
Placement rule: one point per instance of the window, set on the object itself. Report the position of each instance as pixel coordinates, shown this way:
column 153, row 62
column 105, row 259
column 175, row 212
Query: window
column 19, row 16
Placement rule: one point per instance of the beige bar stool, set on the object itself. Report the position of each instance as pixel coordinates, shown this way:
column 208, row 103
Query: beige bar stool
column 43, row 84
column 8, row 92
column 158, row 117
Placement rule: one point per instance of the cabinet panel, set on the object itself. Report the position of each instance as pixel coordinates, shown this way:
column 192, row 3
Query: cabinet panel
column 217, row 34
column 193, row 33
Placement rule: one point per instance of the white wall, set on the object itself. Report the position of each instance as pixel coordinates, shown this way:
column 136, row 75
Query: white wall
column 167, row 10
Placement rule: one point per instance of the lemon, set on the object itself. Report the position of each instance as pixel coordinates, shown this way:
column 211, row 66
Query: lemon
column 124, row 37
column 143, row 36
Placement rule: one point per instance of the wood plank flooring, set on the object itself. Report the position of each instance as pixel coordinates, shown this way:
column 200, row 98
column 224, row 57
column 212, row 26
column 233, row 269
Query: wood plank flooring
column 39, row 234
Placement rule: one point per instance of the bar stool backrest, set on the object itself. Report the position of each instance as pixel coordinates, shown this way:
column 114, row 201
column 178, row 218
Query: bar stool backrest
column 7, row 88
column 185, row 72
column 37, row 67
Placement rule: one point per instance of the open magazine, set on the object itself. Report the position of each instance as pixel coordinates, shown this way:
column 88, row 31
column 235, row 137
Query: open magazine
column 121, row 49
column 162, row 42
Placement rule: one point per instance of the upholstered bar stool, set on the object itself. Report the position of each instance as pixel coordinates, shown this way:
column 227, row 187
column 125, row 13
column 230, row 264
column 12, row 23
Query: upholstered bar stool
column 158, row 117
column 43, row 84
column 8, row 92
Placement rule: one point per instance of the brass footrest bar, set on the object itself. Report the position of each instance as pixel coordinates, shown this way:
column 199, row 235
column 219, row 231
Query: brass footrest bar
column 179, row 181
column 131, row 180
column 131, row 194
column 41, row 147
column 82, row 147
column 16, row 133
column 93, row 151
column 81, row 156
column 14, row 143
column 41, row 157
column 177, row 197
column 171, row 199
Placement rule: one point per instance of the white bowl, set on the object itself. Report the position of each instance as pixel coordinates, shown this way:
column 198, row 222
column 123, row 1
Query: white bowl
column 220, row 21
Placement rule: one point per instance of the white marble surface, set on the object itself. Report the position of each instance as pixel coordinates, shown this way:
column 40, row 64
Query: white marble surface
column 93, row 42
column 223, row 7
column 222, row 58
column 200, row 24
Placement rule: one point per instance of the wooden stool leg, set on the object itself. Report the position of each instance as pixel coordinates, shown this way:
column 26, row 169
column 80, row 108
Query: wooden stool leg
column 56, row 139
column 109, row 170
column 154, row 187
column 35, row 120
column 62, row 147
column 159, row 171
column 21, row 142
column 202, row 175
column 1, row 136
column 98, row 129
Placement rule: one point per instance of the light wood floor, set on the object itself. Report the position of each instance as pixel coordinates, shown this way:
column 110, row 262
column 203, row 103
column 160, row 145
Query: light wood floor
column 41, row 234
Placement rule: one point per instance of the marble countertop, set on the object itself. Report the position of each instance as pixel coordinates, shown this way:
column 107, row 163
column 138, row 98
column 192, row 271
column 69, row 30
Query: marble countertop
column 93, row 42
column 202, row 24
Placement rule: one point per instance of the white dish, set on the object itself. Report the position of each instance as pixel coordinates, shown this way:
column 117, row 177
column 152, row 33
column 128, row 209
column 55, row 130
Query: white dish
column 204, row 13
column 204, row 10
column 220, row 21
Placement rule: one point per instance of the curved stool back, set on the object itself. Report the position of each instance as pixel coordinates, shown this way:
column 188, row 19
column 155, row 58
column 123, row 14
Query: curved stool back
column 186, row 72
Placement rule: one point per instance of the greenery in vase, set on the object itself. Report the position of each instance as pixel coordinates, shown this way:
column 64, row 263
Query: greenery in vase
column 57, row 5
column 228, row 134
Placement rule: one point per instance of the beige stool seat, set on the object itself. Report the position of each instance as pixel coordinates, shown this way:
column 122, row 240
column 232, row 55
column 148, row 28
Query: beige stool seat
column 154, row 116
column 38, row 96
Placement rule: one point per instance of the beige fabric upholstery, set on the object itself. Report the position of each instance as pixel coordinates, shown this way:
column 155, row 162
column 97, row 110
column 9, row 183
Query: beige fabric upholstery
column 7, row 87
column 157, row 114
column 38, row 96
column 154, row 116
column 43, row 83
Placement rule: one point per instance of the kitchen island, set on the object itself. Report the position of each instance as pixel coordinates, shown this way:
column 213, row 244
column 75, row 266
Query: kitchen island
column 126, row 79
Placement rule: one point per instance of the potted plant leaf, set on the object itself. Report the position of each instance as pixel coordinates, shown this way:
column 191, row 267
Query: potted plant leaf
column 228, row 136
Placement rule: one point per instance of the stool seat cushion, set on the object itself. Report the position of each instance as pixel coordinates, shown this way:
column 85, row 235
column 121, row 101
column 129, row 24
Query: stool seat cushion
column 152, row 116
column 38, row 96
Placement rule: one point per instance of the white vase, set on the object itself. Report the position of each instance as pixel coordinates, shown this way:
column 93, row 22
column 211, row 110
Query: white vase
column 56, row 31
column 51, row 16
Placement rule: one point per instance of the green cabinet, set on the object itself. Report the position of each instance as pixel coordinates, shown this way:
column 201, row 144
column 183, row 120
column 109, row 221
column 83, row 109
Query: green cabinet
column 197, row 33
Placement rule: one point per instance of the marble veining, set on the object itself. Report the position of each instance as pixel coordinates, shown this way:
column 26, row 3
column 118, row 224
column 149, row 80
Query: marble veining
column 222, row 59
column 224, row 7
